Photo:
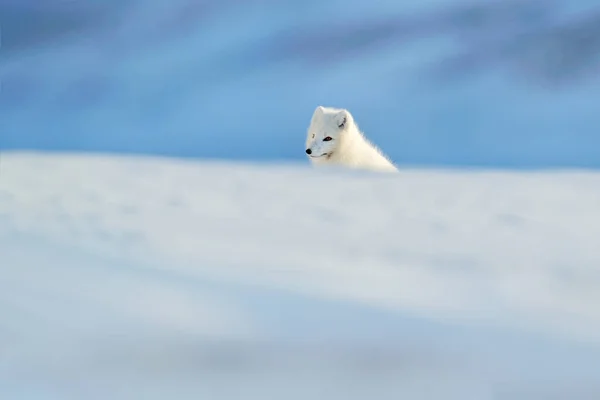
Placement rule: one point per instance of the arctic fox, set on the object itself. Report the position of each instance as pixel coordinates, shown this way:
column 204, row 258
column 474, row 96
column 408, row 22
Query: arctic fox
column 334, row 139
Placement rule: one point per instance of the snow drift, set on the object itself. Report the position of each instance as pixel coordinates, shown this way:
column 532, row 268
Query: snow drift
column 153, row 278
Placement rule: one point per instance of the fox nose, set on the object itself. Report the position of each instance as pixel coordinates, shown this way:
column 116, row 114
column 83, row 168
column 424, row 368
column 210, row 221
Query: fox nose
column 308, row 151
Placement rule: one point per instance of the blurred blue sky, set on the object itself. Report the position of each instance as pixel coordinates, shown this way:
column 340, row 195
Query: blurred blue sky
column 434, row 83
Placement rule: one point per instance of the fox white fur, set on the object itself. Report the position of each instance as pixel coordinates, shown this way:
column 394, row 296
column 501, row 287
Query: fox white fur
column 334, row 139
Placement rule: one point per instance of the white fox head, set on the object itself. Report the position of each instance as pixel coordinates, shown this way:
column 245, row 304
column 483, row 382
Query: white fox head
column 326, row 127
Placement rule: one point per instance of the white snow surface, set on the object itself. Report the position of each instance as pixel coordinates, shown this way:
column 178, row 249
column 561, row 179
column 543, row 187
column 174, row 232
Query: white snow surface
column 154, row 278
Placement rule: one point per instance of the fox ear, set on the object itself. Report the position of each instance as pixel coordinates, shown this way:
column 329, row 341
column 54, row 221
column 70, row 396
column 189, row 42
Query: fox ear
column 342, row 118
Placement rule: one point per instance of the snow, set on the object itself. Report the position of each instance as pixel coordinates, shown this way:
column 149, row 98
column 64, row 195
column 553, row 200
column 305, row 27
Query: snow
column 154, row 278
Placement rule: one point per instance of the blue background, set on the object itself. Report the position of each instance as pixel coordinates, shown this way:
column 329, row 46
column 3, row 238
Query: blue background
column 434, row 83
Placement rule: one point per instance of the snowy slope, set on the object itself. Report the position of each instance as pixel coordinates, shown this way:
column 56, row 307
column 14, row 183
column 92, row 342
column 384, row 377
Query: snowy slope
column 437, row 82
column 149, row 278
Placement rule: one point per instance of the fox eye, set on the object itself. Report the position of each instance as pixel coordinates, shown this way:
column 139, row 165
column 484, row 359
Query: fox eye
column 327, row 139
